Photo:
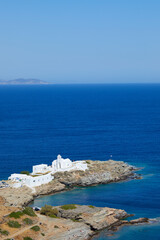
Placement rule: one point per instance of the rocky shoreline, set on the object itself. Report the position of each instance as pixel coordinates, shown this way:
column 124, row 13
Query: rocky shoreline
column 99, row 172
column 69, row 222
column 94, row 219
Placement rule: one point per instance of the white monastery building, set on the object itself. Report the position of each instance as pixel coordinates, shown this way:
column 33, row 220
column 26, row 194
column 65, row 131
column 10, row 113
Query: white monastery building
column 43, row 174
column 42, row 168
column 61, row 163
column 30, row 181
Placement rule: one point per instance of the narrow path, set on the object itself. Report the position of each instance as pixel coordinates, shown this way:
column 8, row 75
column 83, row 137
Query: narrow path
column 20, row 231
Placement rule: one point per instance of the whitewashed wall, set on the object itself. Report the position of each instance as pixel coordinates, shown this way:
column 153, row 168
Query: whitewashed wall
column 42, row 168
column 31, row 181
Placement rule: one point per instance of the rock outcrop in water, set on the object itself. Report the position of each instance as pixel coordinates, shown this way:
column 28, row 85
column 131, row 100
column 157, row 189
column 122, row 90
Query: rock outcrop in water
column 99, row 172
column 89, row 220
column 96, row 217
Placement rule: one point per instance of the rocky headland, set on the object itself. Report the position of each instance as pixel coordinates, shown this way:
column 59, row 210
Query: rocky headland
column 69, row 222
column 98, row 172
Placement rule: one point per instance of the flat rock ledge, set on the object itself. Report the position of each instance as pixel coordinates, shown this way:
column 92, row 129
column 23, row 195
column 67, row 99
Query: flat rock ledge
column 96, row 217
column 98, row 172
column 89, row 220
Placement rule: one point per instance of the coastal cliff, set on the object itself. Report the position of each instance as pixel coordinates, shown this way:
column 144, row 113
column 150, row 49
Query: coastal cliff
column 98, row 172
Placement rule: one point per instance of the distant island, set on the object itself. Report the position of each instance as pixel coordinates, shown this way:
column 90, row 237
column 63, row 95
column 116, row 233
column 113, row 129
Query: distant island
column 22, row 81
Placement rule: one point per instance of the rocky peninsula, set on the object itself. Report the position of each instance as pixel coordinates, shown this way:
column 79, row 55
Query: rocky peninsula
column 69, row 222
column 98, row 172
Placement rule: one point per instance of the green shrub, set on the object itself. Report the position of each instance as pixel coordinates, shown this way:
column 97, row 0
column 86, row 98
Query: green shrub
column 42, row 234
column 29, row 211
column 55, row 226
column 14, row 224
column 4, row 232
column 88, row 162
column 36, row 228
column 48, row 210
column 54, row 211
column 75, row 220
column 90, row 206
column 16, row 214
column 79, row 214
column 28, row 221
column 52, row 216
column 68, row 206
column 27, row 238
column 25, row 172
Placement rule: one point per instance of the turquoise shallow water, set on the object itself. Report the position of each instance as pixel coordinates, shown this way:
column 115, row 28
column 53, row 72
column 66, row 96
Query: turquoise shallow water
column 87, row 122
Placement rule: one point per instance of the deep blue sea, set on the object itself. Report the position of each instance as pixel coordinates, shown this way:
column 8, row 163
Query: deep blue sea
column 88, row 122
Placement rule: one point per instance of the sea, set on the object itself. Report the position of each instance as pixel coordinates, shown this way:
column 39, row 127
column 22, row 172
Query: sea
column 98, row 122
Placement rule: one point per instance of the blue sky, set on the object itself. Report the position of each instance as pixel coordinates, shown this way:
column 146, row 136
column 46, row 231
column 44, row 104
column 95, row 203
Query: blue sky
column 80, row 41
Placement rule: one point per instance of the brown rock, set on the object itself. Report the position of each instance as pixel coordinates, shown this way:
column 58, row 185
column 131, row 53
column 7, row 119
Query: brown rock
column 139, row 220
column 96, row 217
